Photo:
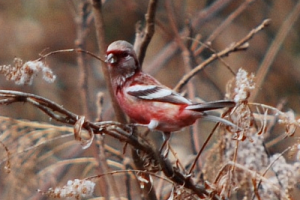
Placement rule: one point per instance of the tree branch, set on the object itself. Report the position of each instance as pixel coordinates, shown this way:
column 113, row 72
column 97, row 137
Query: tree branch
column 143, row 38
column 238, row 46
column 81, row 20
column 198, row 20
column 97, row 10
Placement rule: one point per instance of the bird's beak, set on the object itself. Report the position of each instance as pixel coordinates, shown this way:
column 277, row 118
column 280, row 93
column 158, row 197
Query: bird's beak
column 111, row 58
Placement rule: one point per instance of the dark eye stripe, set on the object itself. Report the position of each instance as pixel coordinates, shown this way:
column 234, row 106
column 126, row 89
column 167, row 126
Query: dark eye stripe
column 119, row 53
column 124, row 54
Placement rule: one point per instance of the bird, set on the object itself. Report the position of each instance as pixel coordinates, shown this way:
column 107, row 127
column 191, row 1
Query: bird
column 148, row 102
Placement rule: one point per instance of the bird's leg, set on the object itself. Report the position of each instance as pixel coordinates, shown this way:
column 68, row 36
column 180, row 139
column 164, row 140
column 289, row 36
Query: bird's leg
column 166, row 136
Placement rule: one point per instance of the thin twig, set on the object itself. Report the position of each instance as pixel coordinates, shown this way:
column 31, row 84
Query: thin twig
column 223, row 25
column 163, row 56
column 78, row 50
column 203, row 147
column 238, row 46
column 143, row 38
column 220, row 59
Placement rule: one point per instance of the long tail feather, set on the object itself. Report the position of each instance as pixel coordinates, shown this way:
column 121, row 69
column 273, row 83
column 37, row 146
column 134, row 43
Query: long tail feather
column 200, row 107
column 217, row 119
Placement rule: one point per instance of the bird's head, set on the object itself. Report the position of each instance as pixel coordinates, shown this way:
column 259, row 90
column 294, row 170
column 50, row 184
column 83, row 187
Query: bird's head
column 122, row 60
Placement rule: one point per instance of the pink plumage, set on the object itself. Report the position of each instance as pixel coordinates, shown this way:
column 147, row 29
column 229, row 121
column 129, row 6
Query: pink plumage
column 146, row 101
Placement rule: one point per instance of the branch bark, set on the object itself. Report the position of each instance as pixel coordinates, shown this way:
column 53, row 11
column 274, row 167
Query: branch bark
column 82, row 23
column 143, row 38
column 99, row 24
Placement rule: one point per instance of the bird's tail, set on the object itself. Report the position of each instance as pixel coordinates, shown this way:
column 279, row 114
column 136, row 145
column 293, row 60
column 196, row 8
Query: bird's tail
column 201, row 107
column 206, row 106
column 218, row 119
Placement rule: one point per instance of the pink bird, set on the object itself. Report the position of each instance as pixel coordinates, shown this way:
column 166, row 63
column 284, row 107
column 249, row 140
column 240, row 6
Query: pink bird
column 146, row 101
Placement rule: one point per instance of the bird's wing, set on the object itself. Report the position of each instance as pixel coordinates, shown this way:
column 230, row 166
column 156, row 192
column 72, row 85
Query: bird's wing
column 156, row 93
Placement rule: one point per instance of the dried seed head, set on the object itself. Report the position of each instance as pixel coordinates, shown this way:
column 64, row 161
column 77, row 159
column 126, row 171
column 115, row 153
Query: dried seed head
column 23, row 74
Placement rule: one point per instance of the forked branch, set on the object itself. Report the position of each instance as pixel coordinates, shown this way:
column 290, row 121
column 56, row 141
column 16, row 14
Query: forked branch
column 238, row 46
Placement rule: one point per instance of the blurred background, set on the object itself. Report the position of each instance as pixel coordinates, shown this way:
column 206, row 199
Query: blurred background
column 31, row 28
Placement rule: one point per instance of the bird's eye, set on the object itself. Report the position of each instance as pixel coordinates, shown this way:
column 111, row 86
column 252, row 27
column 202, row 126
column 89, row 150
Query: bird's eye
column 124, row 54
